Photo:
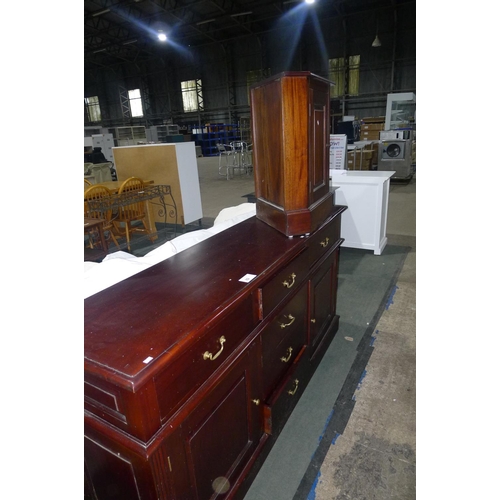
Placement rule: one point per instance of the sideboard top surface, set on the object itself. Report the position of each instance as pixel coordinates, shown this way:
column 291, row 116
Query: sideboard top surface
column 159, row 311
column 153, row 312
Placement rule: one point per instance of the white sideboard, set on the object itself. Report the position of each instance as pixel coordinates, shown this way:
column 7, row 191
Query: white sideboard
column 366, row 194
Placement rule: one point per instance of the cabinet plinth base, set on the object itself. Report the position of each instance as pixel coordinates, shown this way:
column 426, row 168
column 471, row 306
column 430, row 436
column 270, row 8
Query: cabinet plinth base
column 295, row 222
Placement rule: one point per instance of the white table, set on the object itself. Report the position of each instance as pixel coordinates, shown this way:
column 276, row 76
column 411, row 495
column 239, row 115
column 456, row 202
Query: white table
column 366, row 194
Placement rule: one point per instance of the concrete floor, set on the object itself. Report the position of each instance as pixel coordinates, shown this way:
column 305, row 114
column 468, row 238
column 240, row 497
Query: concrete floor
column 375, row 457
column 217, row 192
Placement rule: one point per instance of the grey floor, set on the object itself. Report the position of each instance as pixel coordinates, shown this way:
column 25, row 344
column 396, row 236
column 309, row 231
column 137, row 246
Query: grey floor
column 375, row 456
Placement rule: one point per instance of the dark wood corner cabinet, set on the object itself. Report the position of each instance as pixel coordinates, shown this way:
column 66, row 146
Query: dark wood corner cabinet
column 291, row 144
column 191, row 370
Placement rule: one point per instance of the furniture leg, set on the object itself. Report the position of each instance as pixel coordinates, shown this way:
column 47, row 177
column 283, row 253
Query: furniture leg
column 151, row 221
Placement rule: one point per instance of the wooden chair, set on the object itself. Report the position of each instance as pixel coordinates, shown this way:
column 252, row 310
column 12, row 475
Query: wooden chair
column 133, row 212
column 97, row 192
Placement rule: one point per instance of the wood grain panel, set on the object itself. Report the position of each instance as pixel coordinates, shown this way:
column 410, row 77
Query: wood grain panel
column 156, row 162
column 291, row 129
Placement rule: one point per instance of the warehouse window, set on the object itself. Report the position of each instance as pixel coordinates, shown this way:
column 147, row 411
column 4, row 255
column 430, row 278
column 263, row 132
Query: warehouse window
column 93, row 109
column 339, row 70
column 192, row 96
column 134, row 97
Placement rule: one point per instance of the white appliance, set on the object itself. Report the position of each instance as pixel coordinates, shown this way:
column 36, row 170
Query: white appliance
column 393, row 150
column 386, row 135
column 395, row 155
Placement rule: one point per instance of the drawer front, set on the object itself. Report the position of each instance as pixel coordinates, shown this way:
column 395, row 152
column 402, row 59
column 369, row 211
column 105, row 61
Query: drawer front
column 282, row 402
column 324, row 240
column 283, row 339
column 184, row 376
column 136, row 413
column 106, row 402
column 284, row 282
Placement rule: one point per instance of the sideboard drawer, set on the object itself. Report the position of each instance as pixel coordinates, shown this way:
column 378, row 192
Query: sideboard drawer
column 283, row 339
column 106, row 402
column 283, row 283
column 283, row 400
column 183, row 377
column 324, row 240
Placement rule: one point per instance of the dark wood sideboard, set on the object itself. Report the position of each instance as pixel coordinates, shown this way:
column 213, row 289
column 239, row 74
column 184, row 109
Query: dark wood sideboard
column 191, row 374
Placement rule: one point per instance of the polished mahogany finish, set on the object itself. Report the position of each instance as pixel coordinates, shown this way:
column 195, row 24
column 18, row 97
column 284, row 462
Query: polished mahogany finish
column 190, row 374
column 291, row 141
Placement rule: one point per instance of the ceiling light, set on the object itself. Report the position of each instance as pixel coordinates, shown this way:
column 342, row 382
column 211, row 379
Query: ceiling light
column 161, row 36
column 100, row 12
column 205, row 22
column 309, row 1
column 241, row 14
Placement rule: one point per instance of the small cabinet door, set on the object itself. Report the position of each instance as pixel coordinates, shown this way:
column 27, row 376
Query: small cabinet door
column 319, row 139
column 223, row 432
column 323, row 296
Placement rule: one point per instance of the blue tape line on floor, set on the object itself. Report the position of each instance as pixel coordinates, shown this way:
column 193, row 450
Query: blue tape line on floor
column 337, row 435
column 372, row 340
column 312, row 493
column 326, row 425
column 363, row 375
column 391, row 296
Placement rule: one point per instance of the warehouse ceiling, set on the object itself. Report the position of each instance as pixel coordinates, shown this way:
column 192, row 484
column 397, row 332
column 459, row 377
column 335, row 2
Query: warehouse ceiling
column 118, row 31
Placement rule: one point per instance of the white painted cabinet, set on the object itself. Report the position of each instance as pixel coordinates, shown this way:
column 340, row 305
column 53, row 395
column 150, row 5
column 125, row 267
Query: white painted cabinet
column 366, row 194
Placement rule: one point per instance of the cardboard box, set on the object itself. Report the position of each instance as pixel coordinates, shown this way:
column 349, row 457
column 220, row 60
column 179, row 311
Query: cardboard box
column 374, row 119
column 361, row 153
column 369, row 135
column 372, row 126
column 360, row 159
column 359, row 165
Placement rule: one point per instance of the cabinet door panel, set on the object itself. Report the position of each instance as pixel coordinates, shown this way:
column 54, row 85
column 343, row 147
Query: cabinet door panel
column 224, row 430
column 319, row 130
column 110, row 476
column 322, row 307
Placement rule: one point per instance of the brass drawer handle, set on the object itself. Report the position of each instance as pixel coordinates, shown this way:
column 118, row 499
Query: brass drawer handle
column 287, row 359
column 296, row 382
column 291, row 281
column 210, row 356
column 291, row 318
column 256, row 402
column 325, row 242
